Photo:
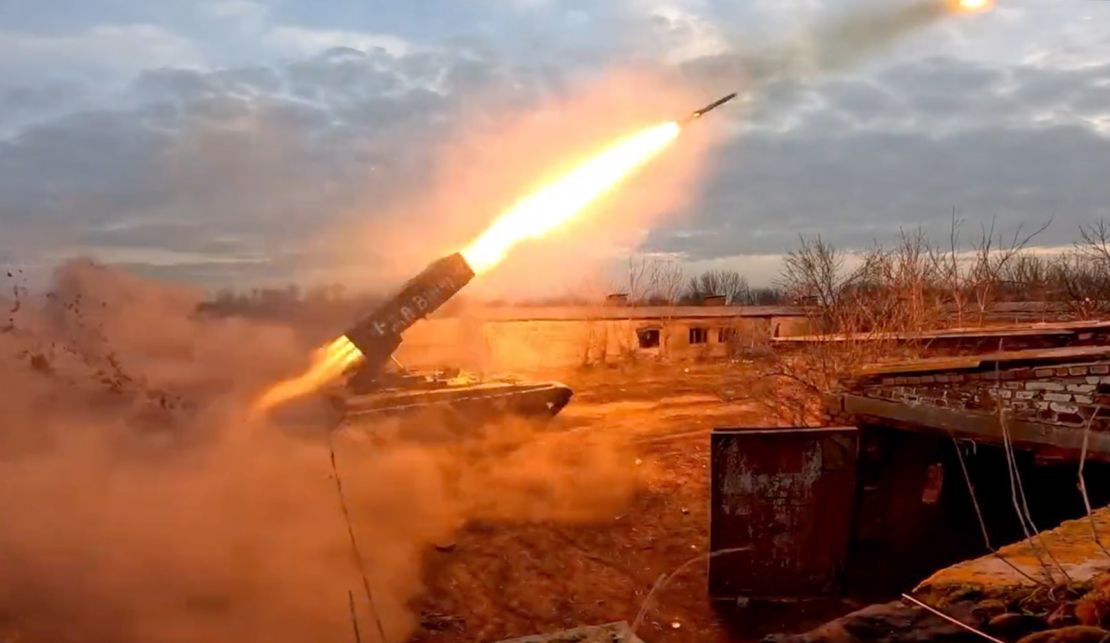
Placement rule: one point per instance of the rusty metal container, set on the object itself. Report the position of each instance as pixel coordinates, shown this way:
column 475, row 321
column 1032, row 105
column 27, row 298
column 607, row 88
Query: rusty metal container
column 787, row 495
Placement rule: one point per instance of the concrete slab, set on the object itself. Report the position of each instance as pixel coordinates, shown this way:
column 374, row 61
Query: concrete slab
column 1072, row 545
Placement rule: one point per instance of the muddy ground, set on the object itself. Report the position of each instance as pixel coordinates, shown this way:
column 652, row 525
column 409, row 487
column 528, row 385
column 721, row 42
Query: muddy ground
column 497, row 581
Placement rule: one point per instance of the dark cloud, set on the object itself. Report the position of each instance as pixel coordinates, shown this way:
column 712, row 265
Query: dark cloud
column 86, row 165
column 936, row 96
column 855, row 160
column 865, row 185
column 244, row 161
column 229, row 174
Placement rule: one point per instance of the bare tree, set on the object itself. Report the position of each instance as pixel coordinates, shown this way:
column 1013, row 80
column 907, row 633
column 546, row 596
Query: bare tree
column 991, row 257
column 637, row 279
column 1095, row 242
column 814, row 274
column 947, row 266
column 895, row 289
column 727, row 283
column 654, row 280
column 665, row 279
column 994, row 268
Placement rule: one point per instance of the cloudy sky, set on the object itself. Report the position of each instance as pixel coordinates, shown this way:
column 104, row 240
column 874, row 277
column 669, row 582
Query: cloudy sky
column 211, row 140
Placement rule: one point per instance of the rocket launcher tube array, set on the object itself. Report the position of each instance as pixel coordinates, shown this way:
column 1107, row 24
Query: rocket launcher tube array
column 379, row 334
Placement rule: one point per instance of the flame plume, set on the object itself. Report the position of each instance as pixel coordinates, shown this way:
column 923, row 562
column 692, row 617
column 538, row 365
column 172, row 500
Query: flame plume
column 972, row 6
column 328, row 363
column 558, row 202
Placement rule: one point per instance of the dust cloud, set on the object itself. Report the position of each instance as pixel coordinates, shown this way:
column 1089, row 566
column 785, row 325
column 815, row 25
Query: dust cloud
column 140, row 504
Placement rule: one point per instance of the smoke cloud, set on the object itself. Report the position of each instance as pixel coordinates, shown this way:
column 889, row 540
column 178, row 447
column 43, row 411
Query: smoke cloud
column 141, row 504
column 494, row 156
column 838, row 41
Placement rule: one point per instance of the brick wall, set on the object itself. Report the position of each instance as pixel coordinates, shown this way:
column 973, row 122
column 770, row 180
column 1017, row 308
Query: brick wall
column 1061, row 394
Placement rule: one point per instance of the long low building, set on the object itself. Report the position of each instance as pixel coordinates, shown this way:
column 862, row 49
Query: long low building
column 521, row 337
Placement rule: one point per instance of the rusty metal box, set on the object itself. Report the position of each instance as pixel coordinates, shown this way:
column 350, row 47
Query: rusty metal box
column 786, row 495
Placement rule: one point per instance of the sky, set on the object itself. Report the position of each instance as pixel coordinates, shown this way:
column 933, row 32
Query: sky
column 225, row 142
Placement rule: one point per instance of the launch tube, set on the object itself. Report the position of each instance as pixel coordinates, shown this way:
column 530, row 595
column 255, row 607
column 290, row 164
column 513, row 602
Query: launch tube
column 379, row 334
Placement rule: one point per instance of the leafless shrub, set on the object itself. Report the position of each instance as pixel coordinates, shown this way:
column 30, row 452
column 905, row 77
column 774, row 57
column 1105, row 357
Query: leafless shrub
column 856, row 312
column 894, row 290
column 876, row 310
column 1028, row 277
column 1081, row 278
column 593, row 341
column 1082, row 283
column 992, row 256
column 994, row 268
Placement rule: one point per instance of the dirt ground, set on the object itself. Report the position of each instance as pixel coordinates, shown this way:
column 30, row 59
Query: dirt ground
column 497, row 581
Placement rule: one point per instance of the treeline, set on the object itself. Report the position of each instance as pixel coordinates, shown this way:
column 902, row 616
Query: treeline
column 916, row 283
column 290, row 302
column 654, row 281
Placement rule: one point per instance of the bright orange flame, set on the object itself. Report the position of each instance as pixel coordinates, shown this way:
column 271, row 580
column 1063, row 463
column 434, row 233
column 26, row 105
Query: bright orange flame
column 328, row 363
column 558, row 202
column 974, row 6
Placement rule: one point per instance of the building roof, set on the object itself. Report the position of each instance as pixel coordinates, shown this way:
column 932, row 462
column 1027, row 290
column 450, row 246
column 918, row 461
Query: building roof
column 990, row 361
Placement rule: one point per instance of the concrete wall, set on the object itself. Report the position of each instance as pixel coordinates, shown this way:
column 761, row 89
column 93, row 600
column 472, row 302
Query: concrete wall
column 792, row 326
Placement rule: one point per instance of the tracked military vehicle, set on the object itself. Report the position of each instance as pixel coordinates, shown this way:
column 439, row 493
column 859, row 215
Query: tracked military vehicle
column 377, row 386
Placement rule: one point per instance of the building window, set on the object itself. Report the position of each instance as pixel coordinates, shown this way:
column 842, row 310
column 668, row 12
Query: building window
column 699, row 335
column 649, row 337
column 726, row 335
